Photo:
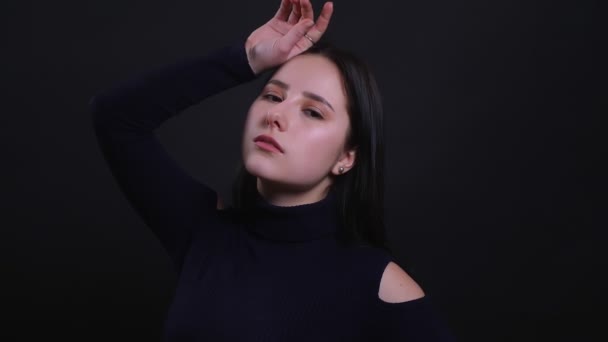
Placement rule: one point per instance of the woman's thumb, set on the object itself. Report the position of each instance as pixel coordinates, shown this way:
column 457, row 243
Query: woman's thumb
column 288, row 41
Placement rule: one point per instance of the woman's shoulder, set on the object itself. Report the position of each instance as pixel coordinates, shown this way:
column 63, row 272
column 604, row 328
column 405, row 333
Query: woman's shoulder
column 393, row 283
column 397, row 286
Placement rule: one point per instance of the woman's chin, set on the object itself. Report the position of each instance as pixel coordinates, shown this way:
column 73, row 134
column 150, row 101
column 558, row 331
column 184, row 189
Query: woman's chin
column 264, row 172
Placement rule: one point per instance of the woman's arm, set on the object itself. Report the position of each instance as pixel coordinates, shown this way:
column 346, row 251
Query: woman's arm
column 169, row 200
column 124, row 118
column 415, row 320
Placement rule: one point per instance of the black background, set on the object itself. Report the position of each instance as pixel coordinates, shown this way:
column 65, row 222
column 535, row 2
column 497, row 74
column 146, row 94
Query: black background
column 491, row 158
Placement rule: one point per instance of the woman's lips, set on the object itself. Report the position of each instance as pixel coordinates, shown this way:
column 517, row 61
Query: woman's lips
column 267, row 146
column 268, row 143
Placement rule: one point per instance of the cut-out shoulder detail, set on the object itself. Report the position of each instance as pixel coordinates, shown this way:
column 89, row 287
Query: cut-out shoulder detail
column 397, row 286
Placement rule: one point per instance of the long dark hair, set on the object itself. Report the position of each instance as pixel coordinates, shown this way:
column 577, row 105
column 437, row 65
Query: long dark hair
column 360, row 191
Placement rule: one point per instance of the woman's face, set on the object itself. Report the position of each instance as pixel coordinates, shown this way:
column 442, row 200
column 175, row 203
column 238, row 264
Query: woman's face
column 303, row 107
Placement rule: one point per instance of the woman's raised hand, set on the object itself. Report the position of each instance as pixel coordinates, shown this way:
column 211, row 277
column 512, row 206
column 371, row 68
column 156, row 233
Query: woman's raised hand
column 284, row 36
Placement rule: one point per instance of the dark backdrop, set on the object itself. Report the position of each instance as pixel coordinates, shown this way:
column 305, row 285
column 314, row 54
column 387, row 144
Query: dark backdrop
column 489, row 173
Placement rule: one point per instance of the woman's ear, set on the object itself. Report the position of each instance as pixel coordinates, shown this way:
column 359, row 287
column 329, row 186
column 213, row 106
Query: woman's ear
column 345, row 163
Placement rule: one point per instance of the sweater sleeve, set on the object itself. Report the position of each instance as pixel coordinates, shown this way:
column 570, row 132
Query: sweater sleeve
column 169, row 201
column 414, row 321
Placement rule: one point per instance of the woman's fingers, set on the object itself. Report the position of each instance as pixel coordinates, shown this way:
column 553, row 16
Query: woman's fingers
column 302, row 9
column 284, row 10
column 306, row 9
column 296, row 13
column 322, row 22
column 300, row 14
column 295, row 34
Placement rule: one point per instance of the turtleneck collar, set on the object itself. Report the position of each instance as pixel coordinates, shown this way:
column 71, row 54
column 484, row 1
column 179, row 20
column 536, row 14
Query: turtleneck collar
column 296, row 223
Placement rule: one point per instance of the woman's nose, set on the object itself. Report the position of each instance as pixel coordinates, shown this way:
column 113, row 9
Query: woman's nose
column 276, row 117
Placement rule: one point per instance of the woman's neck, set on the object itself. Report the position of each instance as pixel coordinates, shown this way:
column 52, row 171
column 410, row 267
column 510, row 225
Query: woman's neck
column 283, row 196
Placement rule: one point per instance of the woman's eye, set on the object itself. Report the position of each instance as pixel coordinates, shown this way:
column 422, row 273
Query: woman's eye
column 314, row 113
column 272, row 97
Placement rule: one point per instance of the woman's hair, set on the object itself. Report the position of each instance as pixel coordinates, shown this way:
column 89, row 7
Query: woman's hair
column 360, row 191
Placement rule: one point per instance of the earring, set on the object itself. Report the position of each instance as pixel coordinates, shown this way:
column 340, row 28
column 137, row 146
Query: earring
column 341, row 169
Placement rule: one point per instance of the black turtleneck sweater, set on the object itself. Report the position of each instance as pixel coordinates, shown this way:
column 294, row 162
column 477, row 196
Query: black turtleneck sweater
column 280, row 275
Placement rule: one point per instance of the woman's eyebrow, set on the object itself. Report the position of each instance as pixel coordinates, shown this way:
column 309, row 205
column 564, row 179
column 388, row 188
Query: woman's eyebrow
column 310, row 95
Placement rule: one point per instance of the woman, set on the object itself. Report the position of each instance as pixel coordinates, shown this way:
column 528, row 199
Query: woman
column 300, row 255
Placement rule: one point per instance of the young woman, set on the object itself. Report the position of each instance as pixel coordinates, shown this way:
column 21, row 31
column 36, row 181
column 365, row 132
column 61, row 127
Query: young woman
column 300, row 254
